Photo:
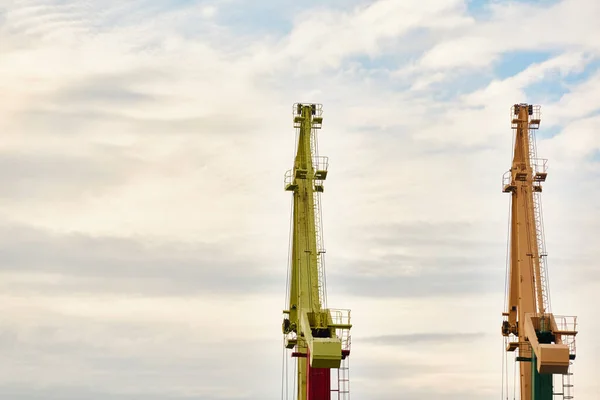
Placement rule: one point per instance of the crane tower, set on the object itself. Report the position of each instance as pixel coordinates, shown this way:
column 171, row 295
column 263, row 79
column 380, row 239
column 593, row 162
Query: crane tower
column 317, row 337
column 544, row 344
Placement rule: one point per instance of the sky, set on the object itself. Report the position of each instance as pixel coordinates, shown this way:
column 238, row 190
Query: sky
column 143, row 223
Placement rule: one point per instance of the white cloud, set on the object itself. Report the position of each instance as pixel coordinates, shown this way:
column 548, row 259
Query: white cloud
column 516, row 26
column 209, row 11
column 152, row 130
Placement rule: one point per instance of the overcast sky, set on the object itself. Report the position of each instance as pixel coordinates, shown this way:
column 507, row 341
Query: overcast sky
column 143, row 221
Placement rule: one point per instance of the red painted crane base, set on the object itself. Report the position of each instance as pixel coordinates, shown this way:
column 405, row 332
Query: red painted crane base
column 318, row 382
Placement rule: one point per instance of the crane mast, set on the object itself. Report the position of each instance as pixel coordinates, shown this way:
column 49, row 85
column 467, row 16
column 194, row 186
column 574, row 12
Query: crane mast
column 544, row 343
column 318, row 337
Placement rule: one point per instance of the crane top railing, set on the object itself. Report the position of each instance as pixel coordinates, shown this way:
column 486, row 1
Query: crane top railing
column 316, row 108
column 534, row 112
column 316, row 113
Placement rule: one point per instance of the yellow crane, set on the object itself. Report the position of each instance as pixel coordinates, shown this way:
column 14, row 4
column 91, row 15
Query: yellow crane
column 318, row 337
column 544, row 344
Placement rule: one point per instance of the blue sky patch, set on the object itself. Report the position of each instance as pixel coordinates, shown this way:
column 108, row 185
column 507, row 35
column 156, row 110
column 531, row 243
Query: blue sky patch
column 548, row 132
column 512, row 63
column 274, row 17
column 546, row 91
column 386, row 61
column 481, row 8
column 478, row 7
column 579, row 77
column 261, row 17
column 459, row 84
column 555, row 85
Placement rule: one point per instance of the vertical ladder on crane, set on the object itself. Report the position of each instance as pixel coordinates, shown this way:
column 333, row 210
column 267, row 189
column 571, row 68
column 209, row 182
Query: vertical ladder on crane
column 343, row 386
column 539, row 170
column 320, row 248
column 566, row 388
column 320, row 168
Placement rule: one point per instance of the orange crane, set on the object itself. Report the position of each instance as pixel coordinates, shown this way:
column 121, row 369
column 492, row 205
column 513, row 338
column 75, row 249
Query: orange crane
column 317, row 337
column 544, row 344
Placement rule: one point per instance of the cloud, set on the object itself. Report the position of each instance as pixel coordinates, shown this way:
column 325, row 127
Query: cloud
column 79, row 263
column 479, row 46
column 144, row 227
column 30, row 175
column 422, row 338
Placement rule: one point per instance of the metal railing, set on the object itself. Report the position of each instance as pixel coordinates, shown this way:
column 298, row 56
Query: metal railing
column 534, row 112
column 539, row 166
column 288, row 178
column 320, row 163
column 318, row 108
column 506, row 180
column 567, row 324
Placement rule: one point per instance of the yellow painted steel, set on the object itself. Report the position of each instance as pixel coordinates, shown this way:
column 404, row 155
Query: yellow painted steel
column 307, row 324
column 538, row 338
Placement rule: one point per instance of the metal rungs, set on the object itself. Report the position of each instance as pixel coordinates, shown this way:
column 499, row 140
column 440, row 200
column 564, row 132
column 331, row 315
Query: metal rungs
column 542, row 280
column 566, row 387
column 343, row 382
